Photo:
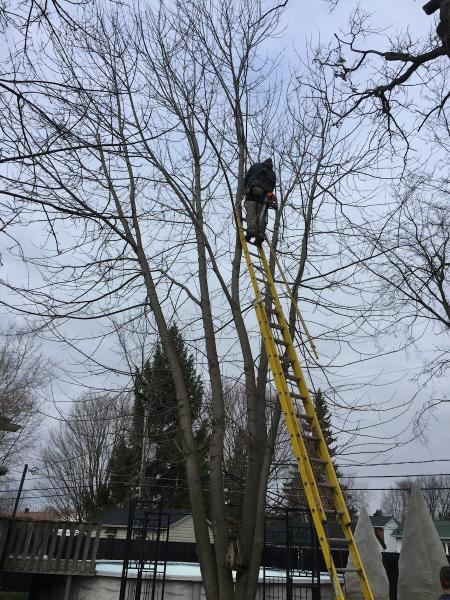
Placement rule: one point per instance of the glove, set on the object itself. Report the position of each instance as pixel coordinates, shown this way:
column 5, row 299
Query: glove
column 271, row 201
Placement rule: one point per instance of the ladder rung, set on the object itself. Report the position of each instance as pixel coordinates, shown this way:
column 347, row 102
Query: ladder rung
column 325, row 484
column 259, row 280
column 339, row 541
column 291, row 377
column 319, row 461
column 298, row 396
column 281, row 342
column 253, row 254
column 333, row 511
column 287, row 359
column 347, row 570
column 276, row 326
column 302, row 416
column 311, row 438
column 272, row 311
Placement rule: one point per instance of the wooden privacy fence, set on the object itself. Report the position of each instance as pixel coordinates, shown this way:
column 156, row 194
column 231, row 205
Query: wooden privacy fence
column 49, row 547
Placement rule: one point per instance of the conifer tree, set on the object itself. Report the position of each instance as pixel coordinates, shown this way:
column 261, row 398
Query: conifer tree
column 124, row 468
column 324, row 416
column 155, row 424
column 156, row 417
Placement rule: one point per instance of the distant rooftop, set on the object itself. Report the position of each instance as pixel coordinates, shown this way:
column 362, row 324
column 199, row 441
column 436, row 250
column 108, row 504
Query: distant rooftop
column 380, row 520
column 31, row 515
column 442, row 526
column 119, row 516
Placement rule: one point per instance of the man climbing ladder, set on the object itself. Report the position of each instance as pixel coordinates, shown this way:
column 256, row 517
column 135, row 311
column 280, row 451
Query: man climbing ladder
column 316, row 470
column 259, row 184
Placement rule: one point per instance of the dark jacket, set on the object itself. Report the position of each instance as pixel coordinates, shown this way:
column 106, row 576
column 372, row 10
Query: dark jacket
column 444, row 597
column 261, row 174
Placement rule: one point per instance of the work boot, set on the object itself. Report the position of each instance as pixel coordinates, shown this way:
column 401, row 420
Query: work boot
column 258, row 240
column 248, row 236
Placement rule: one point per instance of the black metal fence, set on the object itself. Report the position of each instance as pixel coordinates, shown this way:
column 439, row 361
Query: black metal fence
column 291, row 557
column 390, row 562
column 290, row 561
column 146, row 553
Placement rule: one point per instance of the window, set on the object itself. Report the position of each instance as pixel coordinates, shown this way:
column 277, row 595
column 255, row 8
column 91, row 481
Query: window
column 111, row 532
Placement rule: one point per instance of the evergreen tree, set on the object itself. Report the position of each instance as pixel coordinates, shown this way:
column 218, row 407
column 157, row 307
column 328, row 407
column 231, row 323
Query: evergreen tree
column 324, row 416
column 124, row 466
column 156, row 404
column 155, row 422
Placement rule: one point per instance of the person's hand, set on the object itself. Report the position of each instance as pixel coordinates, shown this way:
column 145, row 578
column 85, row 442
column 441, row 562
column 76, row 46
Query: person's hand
column 271, row 201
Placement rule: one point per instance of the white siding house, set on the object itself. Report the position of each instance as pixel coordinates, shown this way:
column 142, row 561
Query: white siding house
column 385, row 529
column 181, row 525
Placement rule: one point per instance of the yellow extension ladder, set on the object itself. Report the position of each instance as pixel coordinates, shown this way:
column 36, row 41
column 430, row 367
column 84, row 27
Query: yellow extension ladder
column 314, row 463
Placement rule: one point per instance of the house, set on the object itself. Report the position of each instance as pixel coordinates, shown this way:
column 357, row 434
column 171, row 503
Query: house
column 385, row 526
column 442, row 527
column 31, row 515
column 179, row 521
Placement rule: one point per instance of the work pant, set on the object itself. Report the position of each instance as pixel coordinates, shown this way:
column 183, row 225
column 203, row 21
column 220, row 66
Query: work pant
column 256, row 218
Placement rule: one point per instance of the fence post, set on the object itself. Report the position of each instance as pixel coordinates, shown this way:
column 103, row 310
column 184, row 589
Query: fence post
column 288, row 556
column 123, row 583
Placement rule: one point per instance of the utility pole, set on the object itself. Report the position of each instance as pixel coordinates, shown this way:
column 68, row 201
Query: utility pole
column 19, row 492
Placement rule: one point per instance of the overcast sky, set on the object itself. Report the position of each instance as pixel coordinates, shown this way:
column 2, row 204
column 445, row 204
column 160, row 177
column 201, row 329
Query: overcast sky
column 312, row 21
column 309, row 21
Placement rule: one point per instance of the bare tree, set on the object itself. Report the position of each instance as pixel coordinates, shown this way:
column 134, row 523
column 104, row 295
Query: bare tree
column 435, row 490
column 395, row 500
column 411, row 271
column 120, row 219
column 132, row 156
column 407, row 66
column 24, row 375
column 76, row 457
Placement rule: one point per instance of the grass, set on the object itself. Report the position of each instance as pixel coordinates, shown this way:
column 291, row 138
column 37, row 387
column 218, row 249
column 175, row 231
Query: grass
column 13, row 596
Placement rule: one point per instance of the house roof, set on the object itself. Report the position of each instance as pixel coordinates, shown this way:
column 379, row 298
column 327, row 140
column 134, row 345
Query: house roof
column 442, row 526
column 29, row 515
column 380, row 520
column 119, row 516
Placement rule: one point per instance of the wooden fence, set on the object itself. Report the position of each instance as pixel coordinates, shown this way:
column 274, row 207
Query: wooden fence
column 49, row 547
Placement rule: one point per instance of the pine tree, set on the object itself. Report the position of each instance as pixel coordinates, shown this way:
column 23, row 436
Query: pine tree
column 324, row 416
column 155, row 416
column 123, row 467
column 155, row 396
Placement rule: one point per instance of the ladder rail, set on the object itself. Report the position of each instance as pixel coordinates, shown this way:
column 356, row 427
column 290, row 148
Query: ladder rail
column 297, row 438
column 293, row 302
column 299, row 446
column 324, row 453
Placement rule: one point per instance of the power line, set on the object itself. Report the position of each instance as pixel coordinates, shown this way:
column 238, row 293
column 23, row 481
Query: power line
column 388, row 464
column 177, row 479
column 399, row 476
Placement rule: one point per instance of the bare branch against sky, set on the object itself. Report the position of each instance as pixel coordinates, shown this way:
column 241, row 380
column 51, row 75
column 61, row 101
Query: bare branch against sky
column 126, row 134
